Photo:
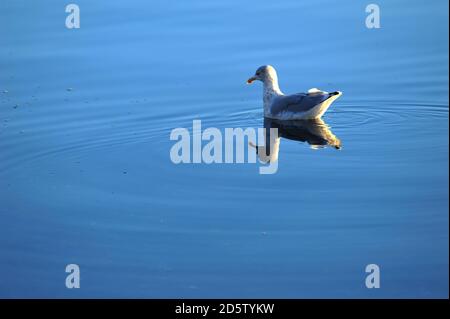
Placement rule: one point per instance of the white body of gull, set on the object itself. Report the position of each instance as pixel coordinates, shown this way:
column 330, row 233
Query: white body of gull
column 300, row 106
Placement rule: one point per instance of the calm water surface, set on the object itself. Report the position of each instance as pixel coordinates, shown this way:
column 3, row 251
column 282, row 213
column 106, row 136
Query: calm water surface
column 86, row 177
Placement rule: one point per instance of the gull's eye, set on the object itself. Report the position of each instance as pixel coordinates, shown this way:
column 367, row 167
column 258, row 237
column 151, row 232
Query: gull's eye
column 258, row 73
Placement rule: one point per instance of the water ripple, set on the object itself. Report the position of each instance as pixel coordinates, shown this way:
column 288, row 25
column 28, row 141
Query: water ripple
column 41, row 137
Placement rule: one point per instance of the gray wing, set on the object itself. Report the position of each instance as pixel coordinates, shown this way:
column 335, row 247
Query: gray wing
column 297, row 103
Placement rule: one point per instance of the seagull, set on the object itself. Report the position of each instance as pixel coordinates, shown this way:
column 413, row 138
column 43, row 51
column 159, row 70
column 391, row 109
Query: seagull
column 300, row 106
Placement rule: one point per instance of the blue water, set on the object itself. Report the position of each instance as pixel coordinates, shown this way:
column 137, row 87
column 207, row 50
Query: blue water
column 86, row 177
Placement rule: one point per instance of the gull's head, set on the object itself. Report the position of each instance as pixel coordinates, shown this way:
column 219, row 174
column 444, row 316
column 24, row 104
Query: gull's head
column 265, row 73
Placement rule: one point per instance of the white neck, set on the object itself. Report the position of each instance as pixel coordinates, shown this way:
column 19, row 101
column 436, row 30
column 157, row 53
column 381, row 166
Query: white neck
column 270, row 90
column 271, row 85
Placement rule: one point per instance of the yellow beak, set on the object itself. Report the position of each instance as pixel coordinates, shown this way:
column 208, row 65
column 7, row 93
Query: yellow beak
column 250, row 80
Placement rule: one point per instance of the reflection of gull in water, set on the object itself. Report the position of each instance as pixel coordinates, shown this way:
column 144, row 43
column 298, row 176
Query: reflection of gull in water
column 315, row 132
column 277, row 105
